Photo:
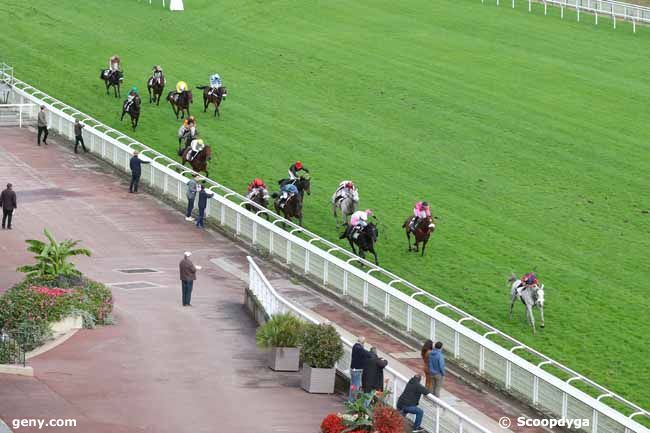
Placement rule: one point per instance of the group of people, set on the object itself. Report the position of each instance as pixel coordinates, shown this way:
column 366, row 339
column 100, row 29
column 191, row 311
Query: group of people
column 196, row 188
column 189, row 135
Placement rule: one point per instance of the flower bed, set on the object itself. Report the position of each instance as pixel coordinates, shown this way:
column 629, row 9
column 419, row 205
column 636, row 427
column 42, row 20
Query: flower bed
column 377, row 417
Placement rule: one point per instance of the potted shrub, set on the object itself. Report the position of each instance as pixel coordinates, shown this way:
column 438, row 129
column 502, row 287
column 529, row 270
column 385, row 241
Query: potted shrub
column 321, row 349
column 281, row 334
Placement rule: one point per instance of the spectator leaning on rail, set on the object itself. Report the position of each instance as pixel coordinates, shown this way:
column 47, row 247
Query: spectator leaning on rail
column 42, row 126
column 410, row 399
column 437, row 368
column 8, row 205
column 203, row 203
column 192, row 189
column 136, row 171
column 78, row 138
column 359, row 357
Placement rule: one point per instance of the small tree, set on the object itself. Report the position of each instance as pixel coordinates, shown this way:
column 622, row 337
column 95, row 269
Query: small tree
column 321, row 346
column 282, row 330
column 52, row 258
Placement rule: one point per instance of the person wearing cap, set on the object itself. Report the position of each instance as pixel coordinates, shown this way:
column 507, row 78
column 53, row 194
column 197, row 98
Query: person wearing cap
column 42, row 126
column 295, row 168
column 346, row 188
column 8, row 205
column 181, row 86
column 420, row 211
column 136, row 171
column 410, row 399
column 215, row 83
column 188, row 276
column 358, row 221
column 157, row 76
column 78, row 137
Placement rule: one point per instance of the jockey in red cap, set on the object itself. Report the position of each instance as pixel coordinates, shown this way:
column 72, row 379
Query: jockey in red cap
column 256, row 183
column 346, row 188
column 255, row 187
column 529, row 280
column 295, row 168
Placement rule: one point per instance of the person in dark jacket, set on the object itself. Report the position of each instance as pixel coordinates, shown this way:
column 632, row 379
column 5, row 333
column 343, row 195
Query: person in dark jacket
column 188, row 276
column 42, row 126
column 204, row 195
column 359, row 357
column 373, row 372
column 136, row 171
column 78, row 137
column 192, row 189
column 8, row 205
column 437, row 368
column 410, row 399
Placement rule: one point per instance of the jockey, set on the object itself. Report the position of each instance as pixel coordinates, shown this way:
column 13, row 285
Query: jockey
column 181, row 87
column 257, row 185
column 287, row 191
column 345, row 188
column 295, row 168
column 113, row 65
column 358, row 221
column 157, row 74
column 195, row 148
column 133, row 94
column 528, row 280
column 215, row 83
column 420, row 212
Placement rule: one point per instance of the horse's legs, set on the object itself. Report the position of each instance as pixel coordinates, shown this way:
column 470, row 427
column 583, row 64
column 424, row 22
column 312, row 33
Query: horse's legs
column 122, row 116
column 375, row 254
column 408, row 238
column 216, row 110
column 531, row 318
column 149, row 90
column 107, row 87
column 541, row 314
column 424, row 245
column 512, row 302
column 205, row 104
column 352, row 246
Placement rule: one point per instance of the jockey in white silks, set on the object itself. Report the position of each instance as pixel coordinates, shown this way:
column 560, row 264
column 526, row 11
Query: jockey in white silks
column 157, row 74
column 113, row 64
column 215, row 83
column 195, row 148
column 257, row 186
column 346, row 188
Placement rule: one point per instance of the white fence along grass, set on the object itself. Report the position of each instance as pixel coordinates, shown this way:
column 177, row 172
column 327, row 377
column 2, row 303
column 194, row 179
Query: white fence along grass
column 488, row 352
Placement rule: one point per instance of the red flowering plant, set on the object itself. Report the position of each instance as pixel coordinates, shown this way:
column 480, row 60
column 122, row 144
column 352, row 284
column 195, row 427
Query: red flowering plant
column 387, row 420
column 332, row 423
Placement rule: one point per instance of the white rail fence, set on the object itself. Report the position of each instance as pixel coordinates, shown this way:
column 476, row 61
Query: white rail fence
column 439, row 417
column 531, row 376
column 611, row 9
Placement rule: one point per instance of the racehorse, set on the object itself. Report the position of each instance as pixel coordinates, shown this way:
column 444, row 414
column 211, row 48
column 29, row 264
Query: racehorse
column 421, row 233
column 303, row 183
column 213, row 98
column 348, row 205
column 530, row 297
column 134, row 111
column 112, row 80
column 365, row 240
column 180, row 102
column 292, row 207
column 261, row 199
column 155, row 87
column 200, row 162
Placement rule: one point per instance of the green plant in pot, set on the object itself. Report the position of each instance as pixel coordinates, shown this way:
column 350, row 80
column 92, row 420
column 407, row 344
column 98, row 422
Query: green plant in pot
column 282, row 335
column 321, row 349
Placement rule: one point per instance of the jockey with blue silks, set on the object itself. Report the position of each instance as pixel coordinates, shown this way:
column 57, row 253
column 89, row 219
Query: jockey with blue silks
column 287, row 191
column 215, row 83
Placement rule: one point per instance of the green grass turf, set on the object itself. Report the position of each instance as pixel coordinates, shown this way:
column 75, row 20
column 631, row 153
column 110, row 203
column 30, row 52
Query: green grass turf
column 528, row 134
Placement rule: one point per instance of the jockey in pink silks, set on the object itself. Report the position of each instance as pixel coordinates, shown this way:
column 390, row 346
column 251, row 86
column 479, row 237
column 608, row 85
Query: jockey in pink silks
column 358, row 221
column 420, row 212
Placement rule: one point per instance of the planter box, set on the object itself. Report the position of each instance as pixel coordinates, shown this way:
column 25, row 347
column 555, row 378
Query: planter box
column 66, row 325
column 318, row 380
column 284, row 358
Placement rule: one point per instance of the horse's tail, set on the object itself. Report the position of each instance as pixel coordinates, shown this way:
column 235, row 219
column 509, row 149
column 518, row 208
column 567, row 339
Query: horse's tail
column 275, row 195
column 201, row 87
column 406, row 223
column 512, row 278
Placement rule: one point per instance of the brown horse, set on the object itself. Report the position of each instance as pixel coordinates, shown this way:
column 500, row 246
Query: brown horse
column 260, row 198
column 292, row 207
column 421, row 233
column 213, row 98
column 155, row 86
column 200, row 162
column 112, row 79
column 180, row 102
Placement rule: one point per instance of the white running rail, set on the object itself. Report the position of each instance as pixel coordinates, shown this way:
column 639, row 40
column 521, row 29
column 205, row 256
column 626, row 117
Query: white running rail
column 612, row 9
column 378, row 291
column 438, row 415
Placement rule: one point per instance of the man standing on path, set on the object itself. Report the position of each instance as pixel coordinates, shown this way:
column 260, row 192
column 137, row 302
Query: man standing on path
column 78, row 138
column 437, row 368
column 203, row 203
column 42, row 126
column 359, row 357
column 8, row 205
column 192, row 189
column 136, row 171
column 188, row 275
column 410, row 399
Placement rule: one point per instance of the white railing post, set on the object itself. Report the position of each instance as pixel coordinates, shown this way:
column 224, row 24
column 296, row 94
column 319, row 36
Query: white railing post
column 365, row 293
column 409, row 318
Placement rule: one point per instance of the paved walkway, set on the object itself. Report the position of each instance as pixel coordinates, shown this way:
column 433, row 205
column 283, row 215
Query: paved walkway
column 162, row 368
column 165, row 368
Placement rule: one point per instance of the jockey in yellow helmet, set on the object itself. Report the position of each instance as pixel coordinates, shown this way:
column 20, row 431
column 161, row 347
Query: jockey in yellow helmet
column 181, row 87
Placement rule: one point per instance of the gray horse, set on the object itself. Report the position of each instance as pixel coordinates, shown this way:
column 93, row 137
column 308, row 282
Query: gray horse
column 530, row 297
column 348, row 205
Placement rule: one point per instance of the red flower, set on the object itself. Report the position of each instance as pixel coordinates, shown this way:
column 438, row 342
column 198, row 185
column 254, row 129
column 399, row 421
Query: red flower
column 387, row 420
column 332, row 424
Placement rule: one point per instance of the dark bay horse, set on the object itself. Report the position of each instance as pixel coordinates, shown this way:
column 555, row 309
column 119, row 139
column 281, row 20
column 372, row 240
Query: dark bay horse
column 112, row 80
column 261, row 199
column 134, row 111
column 365, row 241
column 421, row 233
column 180, row 102
column 213, row 98
column 155, row 86
column 303, row 183
column 200, row 162
column 292, row 208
